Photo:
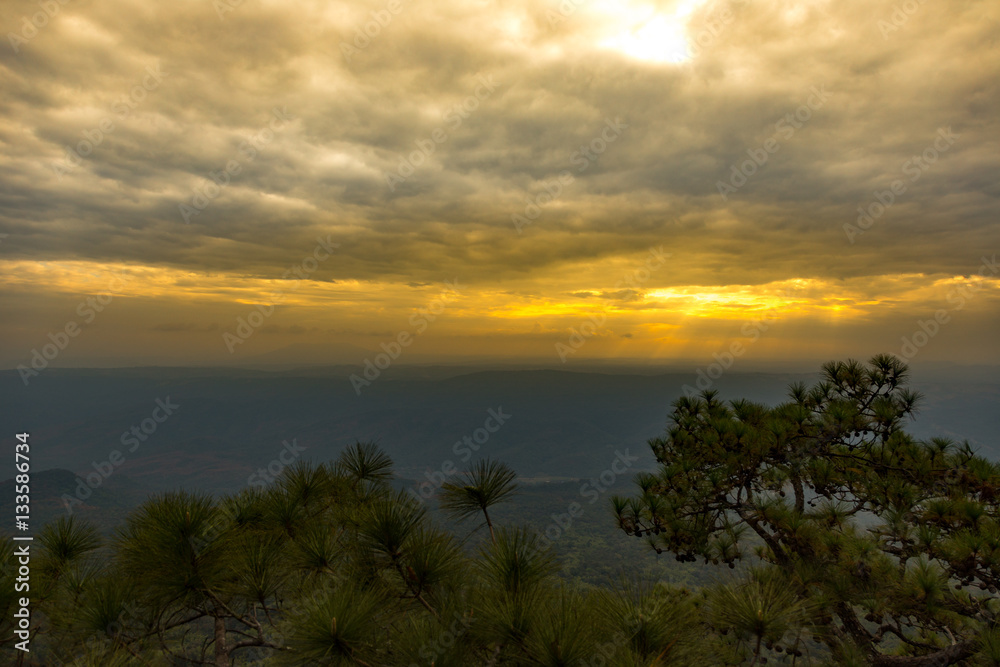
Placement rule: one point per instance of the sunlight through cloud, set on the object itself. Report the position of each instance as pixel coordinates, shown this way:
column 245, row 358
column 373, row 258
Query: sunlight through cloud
column 646, row 33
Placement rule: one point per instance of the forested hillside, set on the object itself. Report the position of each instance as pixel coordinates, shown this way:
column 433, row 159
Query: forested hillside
column 814, row 532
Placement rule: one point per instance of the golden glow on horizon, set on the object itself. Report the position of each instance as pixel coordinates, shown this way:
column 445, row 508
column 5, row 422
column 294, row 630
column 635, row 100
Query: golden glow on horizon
column 171, row 307
column 727, row 302
column 655, row 322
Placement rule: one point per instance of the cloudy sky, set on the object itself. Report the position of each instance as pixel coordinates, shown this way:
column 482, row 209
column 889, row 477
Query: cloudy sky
column 204, row 181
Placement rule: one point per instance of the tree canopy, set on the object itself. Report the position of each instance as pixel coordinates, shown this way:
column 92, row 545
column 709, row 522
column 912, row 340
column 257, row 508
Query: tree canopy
column 888, row 546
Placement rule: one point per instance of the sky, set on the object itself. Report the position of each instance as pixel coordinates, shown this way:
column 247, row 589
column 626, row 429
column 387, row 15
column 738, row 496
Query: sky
column 206, row 182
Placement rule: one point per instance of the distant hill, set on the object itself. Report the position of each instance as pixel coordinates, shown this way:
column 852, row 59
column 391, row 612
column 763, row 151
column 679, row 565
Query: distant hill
column 105, row 506
column 564, row 432
column 589, row 545
column 231, row 423
column 296, row 356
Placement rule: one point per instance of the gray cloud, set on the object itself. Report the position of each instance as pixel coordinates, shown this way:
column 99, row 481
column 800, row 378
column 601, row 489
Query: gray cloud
column 324, row 173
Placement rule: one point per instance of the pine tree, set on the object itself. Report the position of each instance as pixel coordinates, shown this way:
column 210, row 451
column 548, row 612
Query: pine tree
column 877, row 537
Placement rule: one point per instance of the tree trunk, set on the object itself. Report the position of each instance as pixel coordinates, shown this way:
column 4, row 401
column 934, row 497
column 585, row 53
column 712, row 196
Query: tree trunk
column 221, row 652
column 489, row 524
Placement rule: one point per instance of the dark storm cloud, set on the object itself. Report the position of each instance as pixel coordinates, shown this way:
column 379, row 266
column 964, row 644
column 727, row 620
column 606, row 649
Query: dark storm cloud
column 882, row 101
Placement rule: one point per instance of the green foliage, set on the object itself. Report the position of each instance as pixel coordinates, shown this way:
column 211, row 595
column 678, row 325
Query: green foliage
column 488, row 483
column 177, row 546
column 762, row 611
column 336, row 626
column 859, row 544
column 365, row 463
column 65, row 542
column 654, row 624
column 515, row 562
column 564, row 633
column 870, row 533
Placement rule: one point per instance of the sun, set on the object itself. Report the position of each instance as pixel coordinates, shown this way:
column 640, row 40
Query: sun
column 658, row 40
column 647, row 33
